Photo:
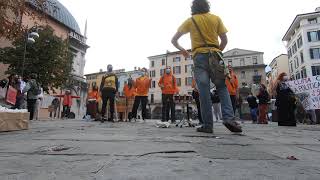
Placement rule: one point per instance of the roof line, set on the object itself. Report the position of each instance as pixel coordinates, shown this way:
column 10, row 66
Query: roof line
column 276, row 58
column 295, row 20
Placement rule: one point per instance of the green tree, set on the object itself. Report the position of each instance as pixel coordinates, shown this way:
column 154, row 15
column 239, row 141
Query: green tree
column 49, row 57
column 12, row 12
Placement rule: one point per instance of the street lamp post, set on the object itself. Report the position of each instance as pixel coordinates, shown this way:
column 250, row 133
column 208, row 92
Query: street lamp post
column 167, row 58
column 30, row 36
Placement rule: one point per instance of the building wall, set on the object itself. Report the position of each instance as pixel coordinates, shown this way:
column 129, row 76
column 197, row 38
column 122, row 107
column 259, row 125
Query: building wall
column 302, row 31
column 279, row 64
column 236, row 57
column 158, row 65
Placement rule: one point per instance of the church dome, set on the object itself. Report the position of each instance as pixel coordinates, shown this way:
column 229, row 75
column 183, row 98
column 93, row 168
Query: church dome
column 60, row 13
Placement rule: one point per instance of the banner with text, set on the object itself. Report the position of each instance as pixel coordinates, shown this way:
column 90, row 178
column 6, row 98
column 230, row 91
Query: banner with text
column 308, row 91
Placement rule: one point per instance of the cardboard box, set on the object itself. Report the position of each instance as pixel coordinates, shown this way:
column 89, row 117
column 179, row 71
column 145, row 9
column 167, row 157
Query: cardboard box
column 13, row 121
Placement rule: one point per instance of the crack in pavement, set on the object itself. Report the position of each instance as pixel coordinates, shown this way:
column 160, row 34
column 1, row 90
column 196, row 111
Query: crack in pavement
column 308, row 149
column 167, row 152
column 135, row 140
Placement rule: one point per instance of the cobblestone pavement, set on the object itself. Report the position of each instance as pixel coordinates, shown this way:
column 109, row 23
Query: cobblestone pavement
column 74, row 150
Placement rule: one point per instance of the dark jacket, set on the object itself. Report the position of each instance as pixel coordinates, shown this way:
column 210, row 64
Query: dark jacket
column 252, row 101
column 215, row 98
column 263, row 97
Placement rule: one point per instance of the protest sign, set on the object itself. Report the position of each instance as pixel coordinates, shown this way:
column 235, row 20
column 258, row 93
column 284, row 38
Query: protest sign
column 308, row 91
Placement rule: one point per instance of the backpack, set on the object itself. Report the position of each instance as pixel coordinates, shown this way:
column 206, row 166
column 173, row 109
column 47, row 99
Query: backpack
column 36, row 89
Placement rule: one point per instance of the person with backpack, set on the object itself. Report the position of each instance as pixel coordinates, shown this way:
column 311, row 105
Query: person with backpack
column 33, row 89
column 168, row 85
column 264, row 99
column 205, row 30
column 108, row 89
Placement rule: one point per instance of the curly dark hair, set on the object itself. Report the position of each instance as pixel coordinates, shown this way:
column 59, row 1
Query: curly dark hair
column 200, row 7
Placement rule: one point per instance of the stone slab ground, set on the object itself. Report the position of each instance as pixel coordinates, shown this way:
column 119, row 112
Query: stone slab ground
column 74, row 150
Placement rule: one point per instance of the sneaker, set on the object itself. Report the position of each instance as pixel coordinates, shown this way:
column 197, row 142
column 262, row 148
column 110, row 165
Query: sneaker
column 204, row 130
column 233, row 126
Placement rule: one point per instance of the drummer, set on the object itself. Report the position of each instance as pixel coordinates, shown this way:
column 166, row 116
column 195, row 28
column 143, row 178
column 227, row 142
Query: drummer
column 168, row 85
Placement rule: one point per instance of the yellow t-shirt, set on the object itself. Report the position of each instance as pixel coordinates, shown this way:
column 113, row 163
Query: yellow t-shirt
column 211, row 27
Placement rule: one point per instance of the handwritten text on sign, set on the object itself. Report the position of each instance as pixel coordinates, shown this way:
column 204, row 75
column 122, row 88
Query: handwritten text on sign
column 308, row 91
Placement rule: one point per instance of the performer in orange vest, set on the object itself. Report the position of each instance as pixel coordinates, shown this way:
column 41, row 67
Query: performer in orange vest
column 142, row 86
column 67, row 102
column 168, row 85
column 129, row 92
column 232, row 85
column 92, row 101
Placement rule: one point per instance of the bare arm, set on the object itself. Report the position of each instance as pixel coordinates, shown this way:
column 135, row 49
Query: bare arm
column 224, row 41
column 176, row 44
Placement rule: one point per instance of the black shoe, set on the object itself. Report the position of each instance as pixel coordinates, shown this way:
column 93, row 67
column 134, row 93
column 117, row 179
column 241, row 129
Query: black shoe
column 173, row 122
column 233, row 126
column 204, row 130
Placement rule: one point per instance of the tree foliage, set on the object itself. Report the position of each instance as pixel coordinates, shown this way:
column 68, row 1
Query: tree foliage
column 49, row 57
column 12, row 11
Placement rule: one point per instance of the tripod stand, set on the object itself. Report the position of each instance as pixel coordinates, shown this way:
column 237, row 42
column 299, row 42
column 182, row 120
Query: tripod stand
column 184, row 100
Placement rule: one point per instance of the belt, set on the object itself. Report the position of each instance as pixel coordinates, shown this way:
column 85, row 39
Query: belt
column 209, row 45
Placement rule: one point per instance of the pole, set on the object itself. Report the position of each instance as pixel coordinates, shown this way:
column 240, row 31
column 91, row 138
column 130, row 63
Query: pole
column 166, row 59
column 24, row 53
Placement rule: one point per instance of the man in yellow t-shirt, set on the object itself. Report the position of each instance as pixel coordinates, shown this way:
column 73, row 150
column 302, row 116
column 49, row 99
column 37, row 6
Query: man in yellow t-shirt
column 205, row 30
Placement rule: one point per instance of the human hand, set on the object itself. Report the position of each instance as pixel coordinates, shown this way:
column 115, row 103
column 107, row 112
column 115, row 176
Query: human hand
column 185, row 53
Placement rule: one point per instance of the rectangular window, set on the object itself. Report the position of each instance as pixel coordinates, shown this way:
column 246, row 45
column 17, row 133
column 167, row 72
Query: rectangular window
column 152, row 98
column 291, row 67
column 188, row 68
column 301, row 57
column 303, row 73
column 242, row 62
column 255, row 59
column 152, row 63
column 153, row 85
column 153, row 73
column 178, row 82
column 300, row 43
column 256, row 72
column 313, row 36
column 289, row 53
column 315, row 70
column 188, row 58
column 313, row 21
column 177, row 70
column 243, row 74
column 297, row 75
column 296, row 62
column 315, row 53
column 230, row 62
column 177, row 59
column 163, row 62
column 294, row 48
column 162, row 72
column 188, row 81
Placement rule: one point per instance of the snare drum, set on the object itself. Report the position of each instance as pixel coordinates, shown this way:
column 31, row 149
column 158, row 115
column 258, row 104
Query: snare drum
column 188, row 98
column 176, row 98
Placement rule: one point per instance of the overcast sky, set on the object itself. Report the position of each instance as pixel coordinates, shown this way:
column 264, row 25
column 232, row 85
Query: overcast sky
column 125, row 32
